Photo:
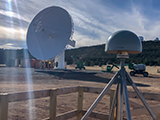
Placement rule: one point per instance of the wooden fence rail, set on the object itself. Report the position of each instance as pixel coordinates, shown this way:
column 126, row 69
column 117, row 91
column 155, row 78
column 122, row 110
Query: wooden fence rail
column 6, row 98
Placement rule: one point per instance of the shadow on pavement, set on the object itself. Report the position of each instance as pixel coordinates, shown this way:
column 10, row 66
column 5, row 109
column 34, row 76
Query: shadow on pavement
column 87, row 75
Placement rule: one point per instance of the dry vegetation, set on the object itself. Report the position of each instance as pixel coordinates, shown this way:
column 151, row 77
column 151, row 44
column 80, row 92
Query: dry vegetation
column 26, row 79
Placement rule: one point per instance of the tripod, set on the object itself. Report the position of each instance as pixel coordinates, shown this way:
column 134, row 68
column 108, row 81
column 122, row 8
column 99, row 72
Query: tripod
column 121, row 90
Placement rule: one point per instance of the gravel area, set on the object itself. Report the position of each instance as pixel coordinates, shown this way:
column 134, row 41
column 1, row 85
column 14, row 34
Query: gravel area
column 14, row 80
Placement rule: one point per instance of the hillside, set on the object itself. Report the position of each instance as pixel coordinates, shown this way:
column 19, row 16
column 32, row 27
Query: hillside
column 95, row 55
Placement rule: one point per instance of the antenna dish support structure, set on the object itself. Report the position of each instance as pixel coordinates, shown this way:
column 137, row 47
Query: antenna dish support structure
column 60, row 59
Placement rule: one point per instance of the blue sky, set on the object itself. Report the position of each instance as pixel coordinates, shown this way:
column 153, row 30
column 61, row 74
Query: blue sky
column 94, row 20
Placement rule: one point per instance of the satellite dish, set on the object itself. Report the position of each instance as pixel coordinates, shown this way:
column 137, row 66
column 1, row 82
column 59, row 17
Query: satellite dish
column 49, row 33
column 123, row 41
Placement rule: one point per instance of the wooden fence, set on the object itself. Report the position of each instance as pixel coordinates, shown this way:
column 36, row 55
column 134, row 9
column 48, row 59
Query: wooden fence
column 6, row 98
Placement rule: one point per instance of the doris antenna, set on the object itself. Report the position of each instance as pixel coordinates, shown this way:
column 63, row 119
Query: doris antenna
column 121, row 43
column 49, row 32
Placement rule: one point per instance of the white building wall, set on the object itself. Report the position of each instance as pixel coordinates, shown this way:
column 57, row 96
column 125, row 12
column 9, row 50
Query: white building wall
column 60, row 60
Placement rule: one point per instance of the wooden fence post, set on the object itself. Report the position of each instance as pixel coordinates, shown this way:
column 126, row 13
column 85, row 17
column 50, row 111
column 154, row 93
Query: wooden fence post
column 80, row 102
column 112, row 91
column 4, row 106
column 53, row 104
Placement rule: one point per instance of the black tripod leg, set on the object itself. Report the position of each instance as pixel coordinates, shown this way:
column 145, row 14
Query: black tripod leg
column 128, row 112
column 100, row 96
column 120, row 102
column 141, row 97
column 114, row 102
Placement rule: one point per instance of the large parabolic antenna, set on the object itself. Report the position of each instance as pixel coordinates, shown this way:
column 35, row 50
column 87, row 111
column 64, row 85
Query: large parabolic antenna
column 49, row 32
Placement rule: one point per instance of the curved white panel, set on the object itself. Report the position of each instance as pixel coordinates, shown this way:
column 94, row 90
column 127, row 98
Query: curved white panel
column 49, row 33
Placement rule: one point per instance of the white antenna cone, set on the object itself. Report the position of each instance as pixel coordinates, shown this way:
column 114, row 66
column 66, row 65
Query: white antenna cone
column 123, row 41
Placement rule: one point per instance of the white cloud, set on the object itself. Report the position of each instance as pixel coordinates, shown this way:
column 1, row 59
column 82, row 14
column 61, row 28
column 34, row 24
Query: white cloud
column 116, row 19
column 13, row 14
column 12, row 33
column 9, row 46
column 84, row 40
column 94, row 22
